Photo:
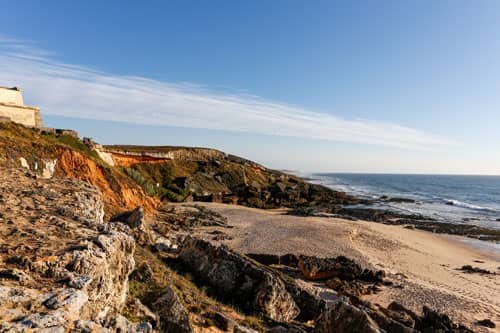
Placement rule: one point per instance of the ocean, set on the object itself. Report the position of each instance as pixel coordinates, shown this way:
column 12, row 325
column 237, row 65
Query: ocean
column 446, row 198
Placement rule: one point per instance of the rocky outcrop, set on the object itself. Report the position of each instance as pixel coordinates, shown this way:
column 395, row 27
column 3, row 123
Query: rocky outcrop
column 397, row 318
column 172, row 315
column 346, row 318
column 59, row 261
column 239, row 279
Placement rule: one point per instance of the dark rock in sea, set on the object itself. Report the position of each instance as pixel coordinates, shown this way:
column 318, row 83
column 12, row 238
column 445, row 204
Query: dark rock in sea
column 400, row 200
column 486, row 323
column 470, row 269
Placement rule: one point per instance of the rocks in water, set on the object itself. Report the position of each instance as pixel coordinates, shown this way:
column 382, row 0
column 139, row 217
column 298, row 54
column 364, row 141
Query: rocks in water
column 400, row 200
column 171, row 313
column 239, row 280
column 486, row 323
column 471, row 269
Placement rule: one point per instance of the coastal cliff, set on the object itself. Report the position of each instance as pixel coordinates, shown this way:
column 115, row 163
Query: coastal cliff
column 93, row 240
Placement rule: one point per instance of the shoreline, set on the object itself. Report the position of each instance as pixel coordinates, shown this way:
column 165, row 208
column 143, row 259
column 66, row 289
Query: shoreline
column 424, row 266
column 386, row 200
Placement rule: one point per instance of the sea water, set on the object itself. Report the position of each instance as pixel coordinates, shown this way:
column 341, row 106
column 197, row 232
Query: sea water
column 446, row 198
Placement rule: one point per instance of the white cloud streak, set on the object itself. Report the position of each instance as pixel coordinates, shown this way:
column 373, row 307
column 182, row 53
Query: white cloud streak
column 77, row 91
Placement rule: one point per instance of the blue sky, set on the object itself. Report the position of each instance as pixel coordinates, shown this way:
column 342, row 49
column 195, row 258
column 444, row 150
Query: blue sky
column 361, row 86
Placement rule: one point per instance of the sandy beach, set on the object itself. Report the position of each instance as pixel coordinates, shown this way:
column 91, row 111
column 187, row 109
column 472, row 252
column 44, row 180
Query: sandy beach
column 423, row 266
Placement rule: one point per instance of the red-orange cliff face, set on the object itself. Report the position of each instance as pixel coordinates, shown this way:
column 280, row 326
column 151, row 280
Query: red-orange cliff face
column 118, row 191
column 125, row 160
column 21, row 146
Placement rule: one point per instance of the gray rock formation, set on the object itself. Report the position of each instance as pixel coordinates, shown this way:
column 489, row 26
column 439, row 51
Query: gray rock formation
column 172, row 315
column 346, row 318
column 239, row 279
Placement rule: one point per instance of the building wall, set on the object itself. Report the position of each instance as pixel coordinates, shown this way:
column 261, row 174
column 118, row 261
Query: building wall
column 11, row 96
column 21, row 115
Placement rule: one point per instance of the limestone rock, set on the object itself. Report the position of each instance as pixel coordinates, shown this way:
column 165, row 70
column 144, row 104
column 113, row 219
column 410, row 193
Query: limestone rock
column 61, row 262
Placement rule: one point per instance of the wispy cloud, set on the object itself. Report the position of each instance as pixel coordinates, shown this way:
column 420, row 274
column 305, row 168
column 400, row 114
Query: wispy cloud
column 78, row 91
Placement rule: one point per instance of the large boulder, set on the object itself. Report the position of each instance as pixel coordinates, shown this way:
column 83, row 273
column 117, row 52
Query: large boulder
column 172, row 314
column 346, row 318
column 314, row 268
column 240, row 280
column 133, row 218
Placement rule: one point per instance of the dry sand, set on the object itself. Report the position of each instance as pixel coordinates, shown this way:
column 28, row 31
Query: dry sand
column 423, row 264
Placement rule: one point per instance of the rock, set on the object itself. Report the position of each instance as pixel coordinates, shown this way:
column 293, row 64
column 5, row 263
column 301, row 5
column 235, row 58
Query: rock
column 311, row 306
column 470, row 269
column 59, row 245
column 166, row 245
column 287, row 329
column 435, row 320
column 121, row 324
column 141, row 312
column 272, row 259
column 238, row 279
column 133, row 218
column 314, row 268
column 223, row 322
column 346, row 318
column 243, row 329
column 172, row 314
column 16, row 275
column 400, row 200
column 109, row 262
column 143, row 274
column 486, row 323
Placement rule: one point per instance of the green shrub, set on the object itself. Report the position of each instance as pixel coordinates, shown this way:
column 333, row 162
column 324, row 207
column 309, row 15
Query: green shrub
column 76, row 144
